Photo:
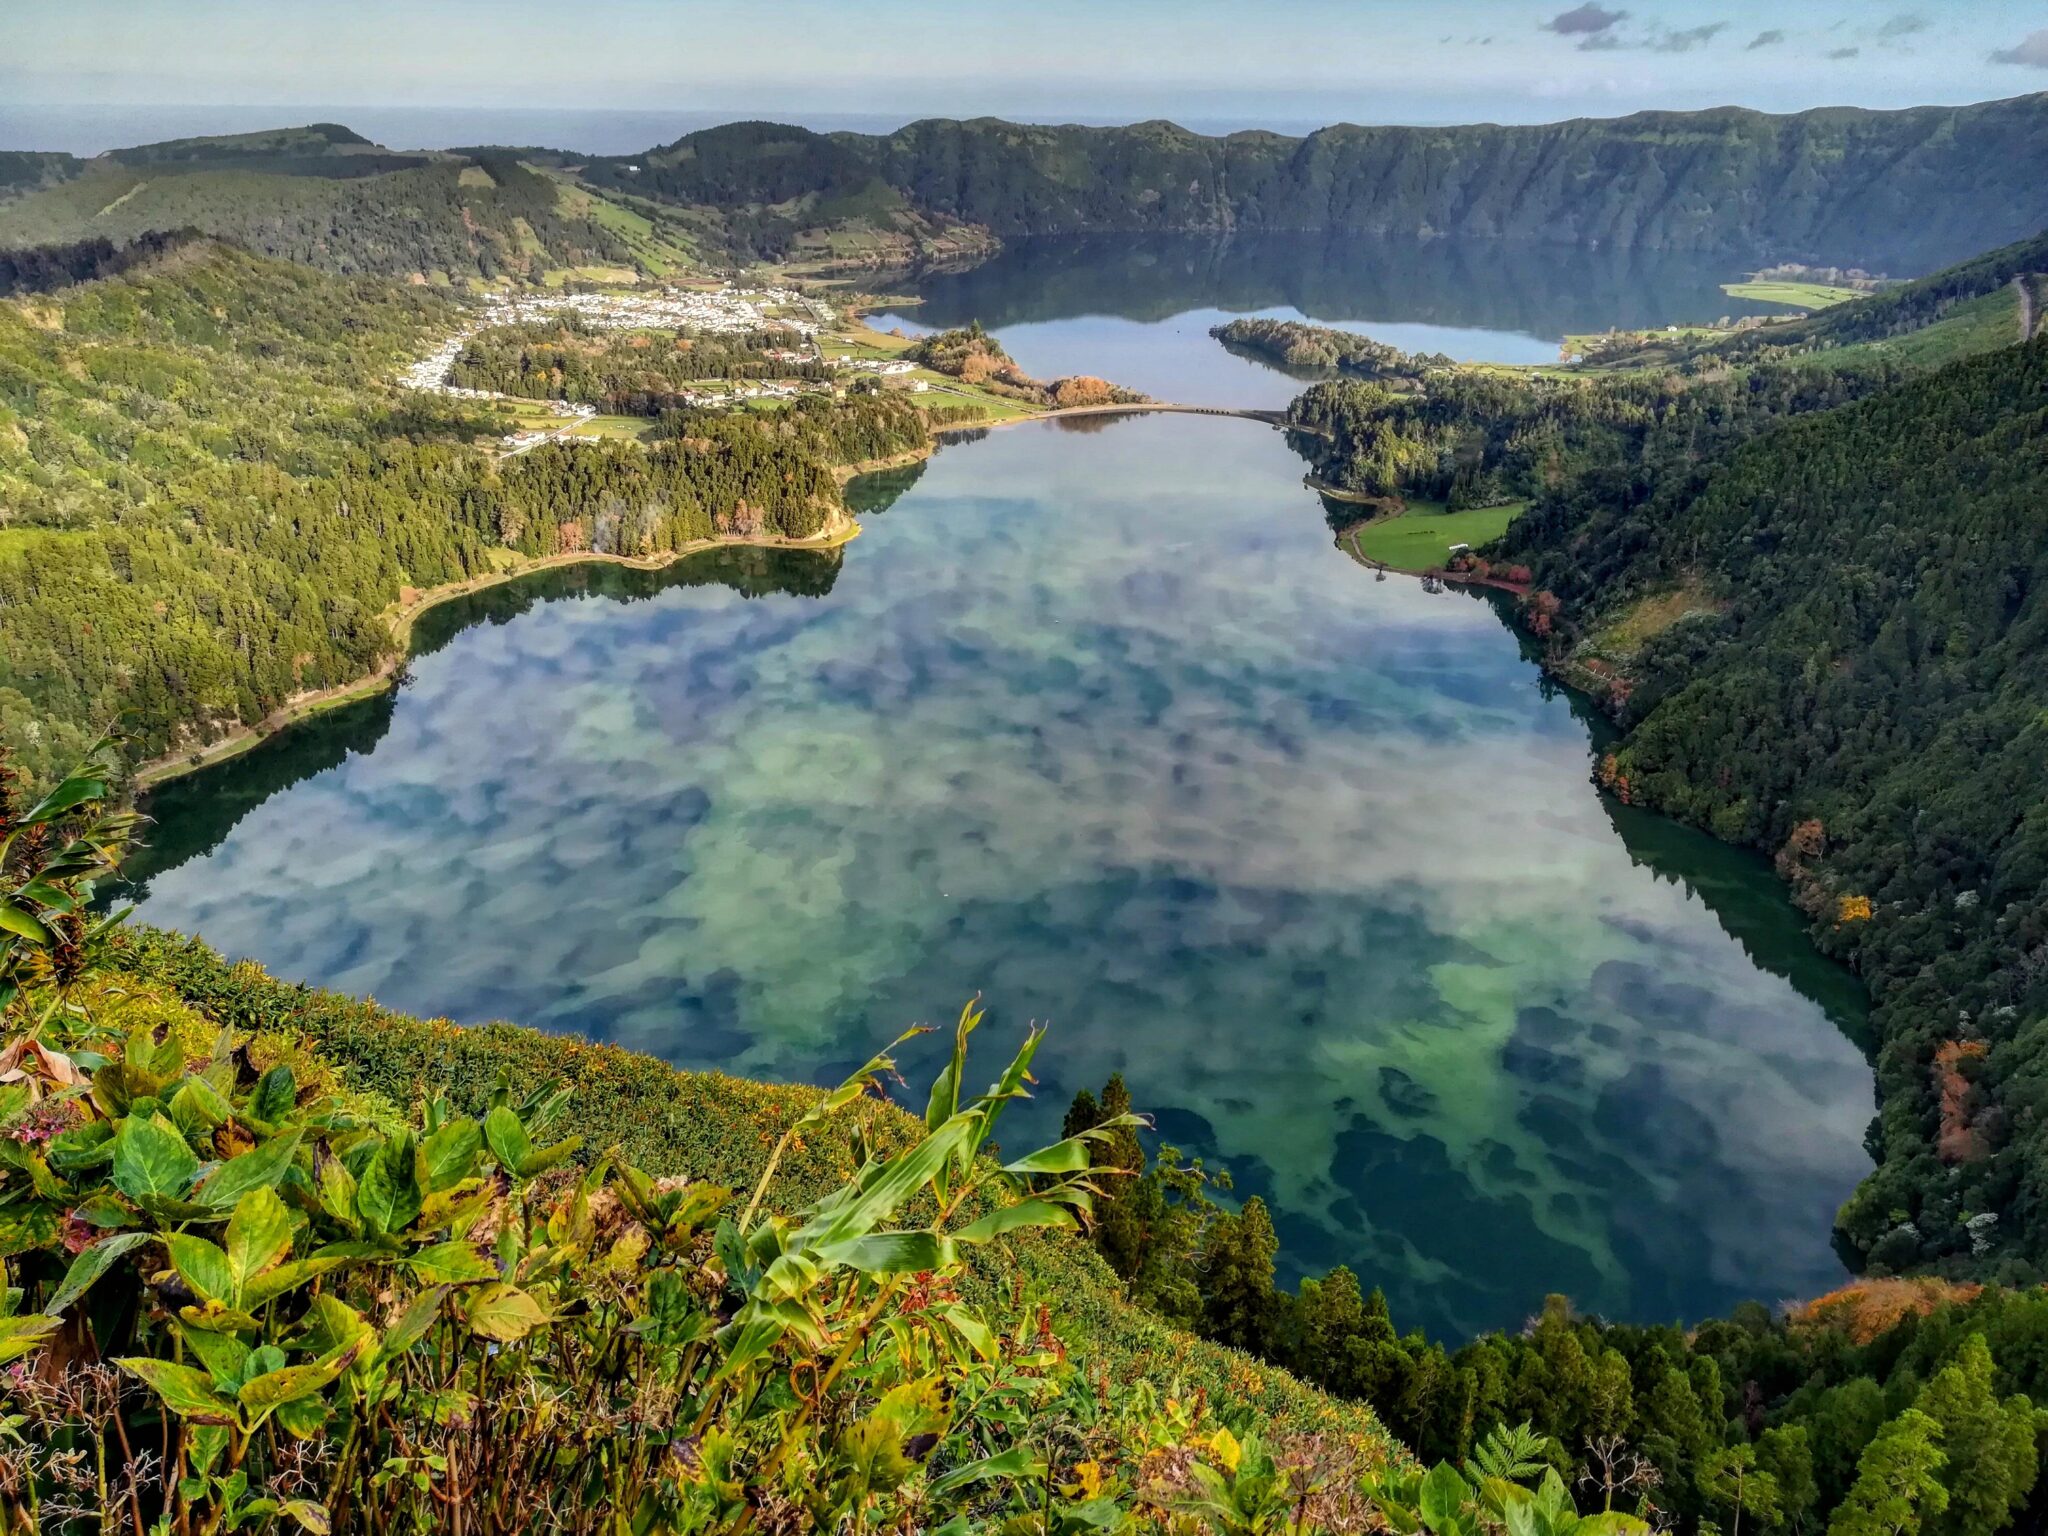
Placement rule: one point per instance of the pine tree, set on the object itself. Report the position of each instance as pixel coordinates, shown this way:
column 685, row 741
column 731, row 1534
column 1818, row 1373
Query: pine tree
column 1989, row 1444
column 1239, row 1305
column 1787, row 1455
column 1082, row 1115
column 1898, row 1482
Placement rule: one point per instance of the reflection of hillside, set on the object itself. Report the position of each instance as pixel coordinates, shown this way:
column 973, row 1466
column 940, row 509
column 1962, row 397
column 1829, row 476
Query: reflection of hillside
column 1752, row 906
column 1545, row 290
column 1737, row 885
column 195, row 814
column 750, row 570
column 880, row 489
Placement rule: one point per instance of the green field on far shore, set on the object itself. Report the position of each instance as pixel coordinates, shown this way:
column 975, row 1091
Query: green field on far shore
column 1798, row 295
column 1420, row 539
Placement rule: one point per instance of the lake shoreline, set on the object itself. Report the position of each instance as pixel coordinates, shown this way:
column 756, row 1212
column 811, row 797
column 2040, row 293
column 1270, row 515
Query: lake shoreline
column 146, row 776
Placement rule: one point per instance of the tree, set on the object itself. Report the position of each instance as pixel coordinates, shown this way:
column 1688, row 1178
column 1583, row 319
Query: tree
column 1786, row 1454
column 1989, row 1444
column 1239, row 1306
column 1730, row 1478
column 1898, row 1482
column 1084, row 1114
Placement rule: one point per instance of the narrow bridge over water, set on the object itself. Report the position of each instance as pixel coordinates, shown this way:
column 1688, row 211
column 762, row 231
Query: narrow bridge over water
column 1275, row 419
column 1270, row 418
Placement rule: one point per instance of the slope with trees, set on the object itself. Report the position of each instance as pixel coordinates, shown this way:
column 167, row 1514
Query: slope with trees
column 214, row 493
column 1831, row 186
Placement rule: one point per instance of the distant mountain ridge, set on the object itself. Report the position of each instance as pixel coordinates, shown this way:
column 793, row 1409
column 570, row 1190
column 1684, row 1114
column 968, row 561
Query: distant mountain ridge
column 1906, row 191
column 1835, row 184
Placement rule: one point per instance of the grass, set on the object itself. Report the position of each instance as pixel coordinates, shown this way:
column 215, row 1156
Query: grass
column 1650, row 616
column 1420, row 539
column 1797, row 295
column 658, row 250
column 1978, row 325
column 627, row 429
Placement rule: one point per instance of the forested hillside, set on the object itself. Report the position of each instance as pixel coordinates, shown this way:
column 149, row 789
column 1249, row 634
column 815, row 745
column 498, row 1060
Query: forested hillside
column 354, row 214
column 213, row 491
column 1859, row 689
column 1915, row 189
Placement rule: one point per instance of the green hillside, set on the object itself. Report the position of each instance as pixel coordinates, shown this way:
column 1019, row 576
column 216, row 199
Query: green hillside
column 1916, row 188
column 1960, row 311
column 209, row 451
column 1860, row 692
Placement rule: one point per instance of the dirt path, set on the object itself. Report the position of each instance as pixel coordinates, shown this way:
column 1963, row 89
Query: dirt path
column 2029, row 318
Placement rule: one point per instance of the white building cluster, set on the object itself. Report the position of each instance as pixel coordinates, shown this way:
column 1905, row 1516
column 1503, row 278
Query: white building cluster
column 724, row 311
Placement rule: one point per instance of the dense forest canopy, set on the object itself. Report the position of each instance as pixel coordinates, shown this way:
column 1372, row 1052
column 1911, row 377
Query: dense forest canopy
column 207, row 454
column 487, row 218
column 1860, row 693
column 1778, row 1418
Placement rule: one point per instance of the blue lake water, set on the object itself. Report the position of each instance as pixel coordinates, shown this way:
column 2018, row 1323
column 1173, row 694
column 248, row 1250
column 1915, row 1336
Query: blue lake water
column 1101, row 725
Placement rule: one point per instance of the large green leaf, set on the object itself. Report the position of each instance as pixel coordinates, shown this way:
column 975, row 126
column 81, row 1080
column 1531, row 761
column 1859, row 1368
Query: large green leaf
column 92, row 1263
column 388, row 1197
column 259, row 1234
column 413, row 1323
column 20, row 1335
column 455, row 1263
column 198, row 1107
column 1016, row 1462
column 510, row 1144
column 1013, row 1218
column 1443, row 1499
column 504, row 1313
column 21, row 922
column 261, row 1168
column 448, row 1156
column 1069, row 1156
column 273, row 1389
column 75, row 791
column 855, row 1213
column 152, row 1158
column 283, row 1278
column 332, row 1325
column 1011, row 1084
column 1611, row 1522
column 890, row 1253
column 276, row 1092
column 225, row 1357
column 944, row 1102
column 186, row 1392
column 202, row 1266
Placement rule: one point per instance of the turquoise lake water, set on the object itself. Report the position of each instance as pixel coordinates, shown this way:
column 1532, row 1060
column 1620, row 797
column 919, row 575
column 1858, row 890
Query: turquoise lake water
column 1101, row 725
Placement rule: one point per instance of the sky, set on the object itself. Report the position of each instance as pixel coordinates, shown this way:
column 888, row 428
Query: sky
column 80, row 67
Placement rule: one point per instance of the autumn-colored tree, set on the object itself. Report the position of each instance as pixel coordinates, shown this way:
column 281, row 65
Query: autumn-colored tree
column 1082, row 389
